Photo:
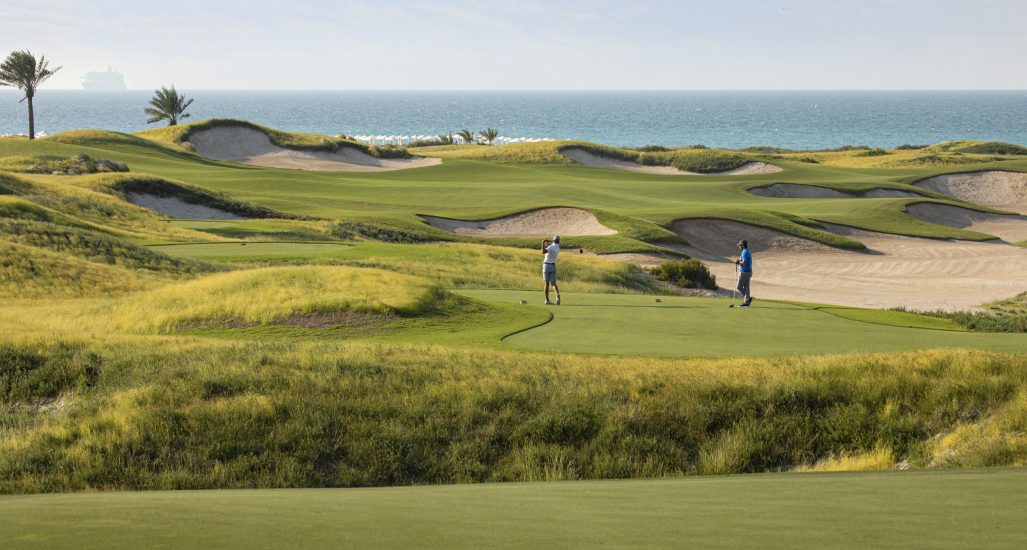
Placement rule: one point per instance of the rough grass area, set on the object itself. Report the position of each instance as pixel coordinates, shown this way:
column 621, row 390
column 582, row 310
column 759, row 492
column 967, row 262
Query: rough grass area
column 98, row 247
column 181, row 416
column 29, row 272
column 72, row 166
column 1008, row 315
column 179, row 134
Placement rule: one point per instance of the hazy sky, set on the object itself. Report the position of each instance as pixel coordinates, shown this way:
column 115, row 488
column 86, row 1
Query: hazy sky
column 526, row 44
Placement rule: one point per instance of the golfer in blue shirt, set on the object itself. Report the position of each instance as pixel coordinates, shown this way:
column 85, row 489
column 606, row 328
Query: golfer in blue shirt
column 744, row 263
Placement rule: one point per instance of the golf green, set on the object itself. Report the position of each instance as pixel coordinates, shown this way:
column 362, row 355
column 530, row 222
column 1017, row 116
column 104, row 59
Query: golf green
column 706, row 327
column 944, row 509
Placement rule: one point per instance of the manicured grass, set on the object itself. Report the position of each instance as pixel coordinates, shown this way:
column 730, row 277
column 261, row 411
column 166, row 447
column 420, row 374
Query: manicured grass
column 475, row 189
column 707, row 327
column 952, row 509
column 256, row 251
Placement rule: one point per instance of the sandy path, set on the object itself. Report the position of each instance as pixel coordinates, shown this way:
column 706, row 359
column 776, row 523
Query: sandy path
column 589, row 159
column 1002, row 190
column 1006, row 227
column 179, row 209
column 795, row 191
column 544, row 222
column 899, row 271
column 242, row 144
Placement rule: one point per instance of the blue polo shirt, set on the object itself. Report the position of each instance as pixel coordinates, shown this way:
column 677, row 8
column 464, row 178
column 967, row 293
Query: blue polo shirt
column 747, row 258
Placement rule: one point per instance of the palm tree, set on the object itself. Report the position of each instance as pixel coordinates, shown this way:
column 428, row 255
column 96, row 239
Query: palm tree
column 22, row 71
column 467, row 136
column 446, row 139
column 167, row 105
column 489, row 135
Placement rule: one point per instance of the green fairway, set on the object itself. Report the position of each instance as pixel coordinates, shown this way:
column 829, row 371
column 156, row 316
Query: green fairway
column 707, row 327
column 951, row 509
column 257, row 251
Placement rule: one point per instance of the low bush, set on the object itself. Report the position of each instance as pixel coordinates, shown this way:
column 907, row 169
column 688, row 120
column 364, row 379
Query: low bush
column 909, row 147
column 689, row 273
column 652, row 149
column 994, row 148
column 351, row 229
column 876, row 152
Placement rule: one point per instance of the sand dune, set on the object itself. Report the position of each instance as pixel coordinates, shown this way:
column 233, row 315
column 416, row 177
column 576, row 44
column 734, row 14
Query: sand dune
column 544, row 222
column 795, row 191
column 1010, row 228
column 597, row 161
column 177, row 208
column 1002, row 190
column 898, row 271
column 250, row 146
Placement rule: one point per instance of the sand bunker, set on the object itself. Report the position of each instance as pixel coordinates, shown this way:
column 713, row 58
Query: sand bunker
column 716, row 239
column 795, row 191
column 899, row 271
column 1002, row 190
column 1007, row 227
column 177, row 208
column 544, row 222
column 250, row 146
column 597, row 161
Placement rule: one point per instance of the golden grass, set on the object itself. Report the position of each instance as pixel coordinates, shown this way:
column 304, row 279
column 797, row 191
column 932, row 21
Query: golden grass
column 262, row 296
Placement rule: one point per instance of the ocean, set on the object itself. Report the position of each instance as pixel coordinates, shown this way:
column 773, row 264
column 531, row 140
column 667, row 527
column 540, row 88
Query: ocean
column 800, row 119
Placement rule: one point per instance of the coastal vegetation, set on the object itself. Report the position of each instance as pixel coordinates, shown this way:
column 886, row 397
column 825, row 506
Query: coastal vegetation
column 22, row 70
column 167, row 104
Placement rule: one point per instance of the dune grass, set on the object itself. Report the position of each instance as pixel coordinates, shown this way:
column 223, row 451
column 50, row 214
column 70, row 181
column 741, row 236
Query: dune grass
column 179, row 414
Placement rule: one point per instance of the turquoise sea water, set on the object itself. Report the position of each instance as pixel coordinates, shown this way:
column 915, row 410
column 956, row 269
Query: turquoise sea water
column 812, row 119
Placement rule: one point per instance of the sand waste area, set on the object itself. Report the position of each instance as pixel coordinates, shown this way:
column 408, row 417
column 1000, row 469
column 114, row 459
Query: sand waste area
column 597, row 161
column 924, row 274
column 544, row 222
column 250, row 146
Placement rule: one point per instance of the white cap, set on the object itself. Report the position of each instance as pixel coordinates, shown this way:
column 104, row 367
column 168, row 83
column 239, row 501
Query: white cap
column 556, row 238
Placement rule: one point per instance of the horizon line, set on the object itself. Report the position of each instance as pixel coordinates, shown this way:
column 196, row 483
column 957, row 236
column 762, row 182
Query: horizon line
column 536, row 90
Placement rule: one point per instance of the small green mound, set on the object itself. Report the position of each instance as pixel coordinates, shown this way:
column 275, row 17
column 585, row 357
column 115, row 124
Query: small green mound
column 702, row 161
column 278, row 295
column 71, row 166
column 689, row 273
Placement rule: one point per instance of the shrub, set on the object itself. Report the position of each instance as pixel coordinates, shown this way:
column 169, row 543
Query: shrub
column 876, row 152
column 689, row 273
column 908, row 147
column 72, row 166
column 349, row 229
column 652, row 149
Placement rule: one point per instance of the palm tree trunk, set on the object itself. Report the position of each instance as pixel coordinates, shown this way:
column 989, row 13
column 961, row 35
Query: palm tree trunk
column 32, row 119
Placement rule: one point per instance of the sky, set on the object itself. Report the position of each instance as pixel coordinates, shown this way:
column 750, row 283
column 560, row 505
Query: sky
column 528, row 44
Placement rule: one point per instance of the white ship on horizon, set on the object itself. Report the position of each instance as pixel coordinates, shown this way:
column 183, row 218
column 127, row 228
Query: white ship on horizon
column 109, row 80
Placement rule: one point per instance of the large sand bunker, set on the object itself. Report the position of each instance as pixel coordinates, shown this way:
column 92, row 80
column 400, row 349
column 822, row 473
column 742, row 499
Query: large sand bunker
column 174, row 207
column 544, row 222
column 251, row 146
column 1003, row 190
column 1004, row 226
column 924, row 274
column 795, row 191
column 712, row 238
column 597, row 161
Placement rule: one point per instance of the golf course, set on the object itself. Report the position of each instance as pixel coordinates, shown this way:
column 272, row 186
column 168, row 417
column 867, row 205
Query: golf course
column 350, row 343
